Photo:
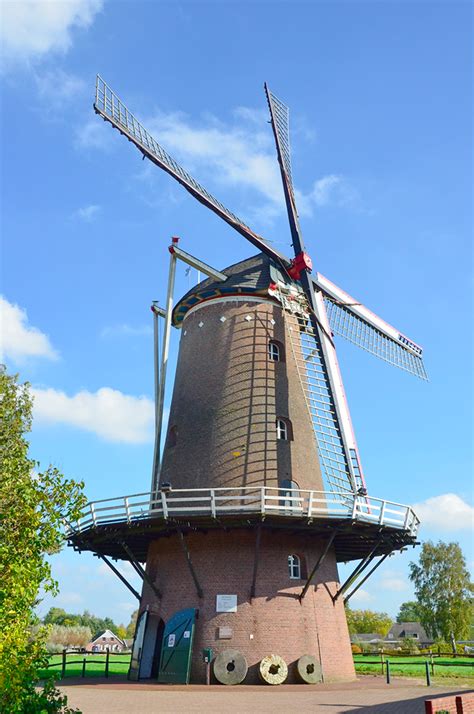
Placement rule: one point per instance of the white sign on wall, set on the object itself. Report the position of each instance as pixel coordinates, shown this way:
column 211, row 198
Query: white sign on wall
column 171, row 640
column 226, row 603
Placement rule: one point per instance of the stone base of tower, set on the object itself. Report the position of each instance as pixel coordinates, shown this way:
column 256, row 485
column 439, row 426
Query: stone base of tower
column 273, row 621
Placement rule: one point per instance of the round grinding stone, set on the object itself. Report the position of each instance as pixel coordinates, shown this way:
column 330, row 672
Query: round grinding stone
column 230, row 667
column 273, row 669
column 309, row 670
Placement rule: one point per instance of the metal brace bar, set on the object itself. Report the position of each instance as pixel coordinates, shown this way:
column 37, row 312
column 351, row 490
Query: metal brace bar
column 119, row 575
column 141, row 571
column 190, row 565
column 198, row 264
column 357, row 571
column 318, row 563
column 255, row 562
column 367, row 576
column 162, row 373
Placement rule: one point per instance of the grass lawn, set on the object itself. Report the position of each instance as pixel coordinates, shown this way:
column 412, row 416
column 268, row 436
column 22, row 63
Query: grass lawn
column 415, row 666
column 95, row 665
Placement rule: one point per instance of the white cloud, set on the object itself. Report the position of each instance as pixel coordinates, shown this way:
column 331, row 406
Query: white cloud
column 87, row 213
column 58, row 87
column 18, row 340
column 362, row 597
column 447, row 512
column 124, row 330
column 109, row 413
column 394, row 584
column 240, row 154
column 95, row 134
column 30, row 29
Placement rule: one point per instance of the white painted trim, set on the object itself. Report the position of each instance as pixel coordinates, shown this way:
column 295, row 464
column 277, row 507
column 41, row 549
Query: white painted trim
column 229, row 298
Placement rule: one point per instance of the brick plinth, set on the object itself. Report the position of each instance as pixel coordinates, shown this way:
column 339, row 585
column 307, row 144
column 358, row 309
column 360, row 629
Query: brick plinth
column 274, row 621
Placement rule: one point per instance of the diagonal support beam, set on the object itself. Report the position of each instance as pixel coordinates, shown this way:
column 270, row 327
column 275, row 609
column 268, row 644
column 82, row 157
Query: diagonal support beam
column 319, row 562
column 119, row 575
column 357, row 571
column 190, row 565
column 256, row 560
column 140, row 570
column 346, row 599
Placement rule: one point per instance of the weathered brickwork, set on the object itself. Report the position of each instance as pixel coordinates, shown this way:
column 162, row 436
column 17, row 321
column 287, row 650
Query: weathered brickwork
column 274, row 621
column 227, row 395
column 454, row 704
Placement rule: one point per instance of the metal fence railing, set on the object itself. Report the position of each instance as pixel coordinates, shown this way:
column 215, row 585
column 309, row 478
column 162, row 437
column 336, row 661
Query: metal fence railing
column 262, row 500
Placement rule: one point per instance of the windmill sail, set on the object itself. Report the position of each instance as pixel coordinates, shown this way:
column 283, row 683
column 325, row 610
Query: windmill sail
column 321, row 382
column 109, row 106
column 280, row 115
column 356, row 323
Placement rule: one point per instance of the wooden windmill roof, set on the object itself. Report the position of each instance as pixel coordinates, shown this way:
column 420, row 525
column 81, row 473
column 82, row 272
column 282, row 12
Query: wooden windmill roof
column 247, row 277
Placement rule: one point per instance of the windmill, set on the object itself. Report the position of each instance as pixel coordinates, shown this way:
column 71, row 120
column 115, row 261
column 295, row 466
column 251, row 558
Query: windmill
column 259, row 491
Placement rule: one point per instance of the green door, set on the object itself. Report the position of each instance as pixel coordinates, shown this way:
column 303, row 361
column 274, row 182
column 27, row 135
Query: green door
column 177, row 648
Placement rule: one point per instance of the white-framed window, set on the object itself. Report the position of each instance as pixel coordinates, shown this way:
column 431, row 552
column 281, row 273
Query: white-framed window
column 274, row 351
column 294, row 567
column 282, row 429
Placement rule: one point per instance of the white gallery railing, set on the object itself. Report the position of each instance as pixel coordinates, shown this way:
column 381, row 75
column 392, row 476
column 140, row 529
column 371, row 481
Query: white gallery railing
column 262, row 500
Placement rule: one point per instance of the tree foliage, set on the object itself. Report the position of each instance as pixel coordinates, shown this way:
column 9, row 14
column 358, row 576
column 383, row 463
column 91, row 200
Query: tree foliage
column 409, row 611
column 61, row 636
column 58, row 616
column 368, row 621
column 132, row 624
column 32, row 507
column 443, row 590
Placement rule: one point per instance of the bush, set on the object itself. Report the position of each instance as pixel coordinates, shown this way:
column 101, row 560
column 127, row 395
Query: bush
column 356, row 649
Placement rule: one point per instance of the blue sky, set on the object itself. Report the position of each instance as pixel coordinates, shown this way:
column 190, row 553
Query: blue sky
column 380, row 96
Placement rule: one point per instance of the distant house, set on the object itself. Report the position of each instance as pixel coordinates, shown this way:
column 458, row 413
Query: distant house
column 413, row 630
column 106, row 641
column 370, row 638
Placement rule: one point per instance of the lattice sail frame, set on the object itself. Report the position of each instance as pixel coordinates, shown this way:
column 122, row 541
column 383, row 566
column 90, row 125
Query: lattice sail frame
column 363, row 328
column 112, row 109
column 321, row 383
column 281, row 115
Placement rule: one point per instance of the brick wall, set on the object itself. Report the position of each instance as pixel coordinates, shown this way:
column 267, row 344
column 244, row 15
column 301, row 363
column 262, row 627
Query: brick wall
column 274, row 621
column 226, row 397
column 454, row 704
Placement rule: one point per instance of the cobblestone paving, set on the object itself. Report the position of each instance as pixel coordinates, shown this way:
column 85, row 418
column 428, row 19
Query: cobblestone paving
column 370, row 695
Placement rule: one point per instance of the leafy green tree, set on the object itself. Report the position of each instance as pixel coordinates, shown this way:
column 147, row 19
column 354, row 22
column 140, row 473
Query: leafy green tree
column 443, row 590
column 58, row 616
column 32, row 507
column 409, row 612
column 365, row 621
column 132, row 625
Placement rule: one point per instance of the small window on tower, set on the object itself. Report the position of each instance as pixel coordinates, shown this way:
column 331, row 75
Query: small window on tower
column 294, row 567
column 283, row 429
column 274, row 353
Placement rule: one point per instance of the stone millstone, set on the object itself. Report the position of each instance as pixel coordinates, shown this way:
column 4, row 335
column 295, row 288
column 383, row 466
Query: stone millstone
column 309, row 670
column 230, row 667
column 273, row 669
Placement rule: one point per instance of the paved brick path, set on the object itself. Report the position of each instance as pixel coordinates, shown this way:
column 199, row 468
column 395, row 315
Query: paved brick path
column 368, row 694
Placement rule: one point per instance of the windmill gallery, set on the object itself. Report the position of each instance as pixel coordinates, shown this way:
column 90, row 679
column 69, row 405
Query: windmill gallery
column 259, row 491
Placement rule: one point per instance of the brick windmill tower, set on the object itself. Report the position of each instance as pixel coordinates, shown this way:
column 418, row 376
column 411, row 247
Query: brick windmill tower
column 259, row 491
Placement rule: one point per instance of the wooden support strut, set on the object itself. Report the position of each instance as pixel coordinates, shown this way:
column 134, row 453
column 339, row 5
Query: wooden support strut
column 318, row 564
column 366, row 577
column 255, row 562
column 190, row 565
column 119, row 575
column 141, row 571
column 357, row 571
